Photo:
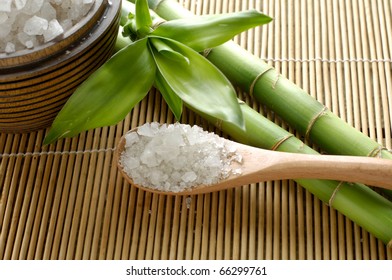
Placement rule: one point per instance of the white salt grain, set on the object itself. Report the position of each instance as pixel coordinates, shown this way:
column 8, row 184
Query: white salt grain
column 54, row 30
column 48, row 12
column 20, row 4
column 189, row 176
column 45, row 20
column 27, row 40
column 66, row 24
column 3, row 17
column 33, row 6
column 10, row 48
column 5, row 30
column 5, row 5
column 35, row 26
column 176, row 157
column 131, row 139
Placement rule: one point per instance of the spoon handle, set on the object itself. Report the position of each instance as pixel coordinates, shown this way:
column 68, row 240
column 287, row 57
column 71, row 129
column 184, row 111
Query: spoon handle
column 370, row 171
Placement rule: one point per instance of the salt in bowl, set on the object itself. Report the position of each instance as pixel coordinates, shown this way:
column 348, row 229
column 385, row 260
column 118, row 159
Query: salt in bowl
column 35, row 84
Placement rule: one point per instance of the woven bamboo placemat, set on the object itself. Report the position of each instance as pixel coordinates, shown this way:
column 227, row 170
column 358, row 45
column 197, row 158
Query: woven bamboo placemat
column 68, row 201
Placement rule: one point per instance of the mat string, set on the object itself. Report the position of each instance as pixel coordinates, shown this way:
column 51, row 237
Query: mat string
column 320, row 59
column 58, row 153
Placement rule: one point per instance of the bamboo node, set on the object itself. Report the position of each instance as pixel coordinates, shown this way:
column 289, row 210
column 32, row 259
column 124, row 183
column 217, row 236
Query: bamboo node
column 276, row 81
column 313, row 121
column 158, row 23
column 207, row 52
column 332, row 198
column 252, row 86
column 376, row 152
column 281, row 141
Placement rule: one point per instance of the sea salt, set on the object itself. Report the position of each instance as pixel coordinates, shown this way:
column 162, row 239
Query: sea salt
column 5, row 5
column 10, row 48
column 177, row 157
column 25, row 24
column 35, row 26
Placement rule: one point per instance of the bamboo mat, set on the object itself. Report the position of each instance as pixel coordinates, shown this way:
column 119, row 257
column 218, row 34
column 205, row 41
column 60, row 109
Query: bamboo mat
column 68, row 201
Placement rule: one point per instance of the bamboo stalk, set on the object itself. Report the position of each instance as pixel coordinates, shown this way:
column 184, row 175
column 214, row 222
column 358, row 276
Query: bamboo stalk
column 301, row 111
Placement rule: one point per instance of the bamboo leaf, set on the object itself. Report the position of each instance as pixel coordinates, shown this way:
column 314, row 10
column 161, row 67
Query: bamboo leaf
column 167, row 51
column 143, row 18
column 173, row 101
column 199, row 83
column 109, row 94
column 209, row 31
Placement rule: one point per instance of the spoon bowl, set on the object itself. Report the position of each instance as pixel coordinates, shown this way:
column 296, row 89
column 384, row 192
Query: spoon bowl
column 260, row 165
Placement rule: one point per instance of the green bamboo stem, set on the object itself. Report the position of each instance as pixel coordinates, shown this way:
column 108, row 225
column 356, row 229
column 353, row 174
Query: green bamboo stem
column 300, row 110
column 294, row 105
column 357, row 202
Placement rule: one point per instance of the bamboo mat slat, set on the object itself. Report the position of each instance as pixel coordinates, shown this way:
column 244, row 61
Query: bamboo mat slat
column 68, row 201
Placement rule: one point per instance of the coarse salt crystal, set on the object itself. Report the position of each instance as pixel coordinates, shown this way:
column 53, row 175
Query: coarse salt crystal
column 35, row 26
column 5, row 30
column 176, row 157
column 27, row 40
column 33, row 6
column 66, row 24
column 29, row 44
column 10, row 48
column 46, row 20
column 54, row 29
column 20, row 4
column 131, row 138
column 189, row 176
column 149, row 158
column 48, row 12
column 5, row 5
column 149, row 131
column 3, row 17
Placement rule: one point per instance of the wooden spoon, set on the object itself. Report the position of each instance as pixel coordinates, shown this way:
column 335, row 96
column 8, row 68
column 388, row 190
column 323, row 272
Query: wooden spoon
column 263, row 165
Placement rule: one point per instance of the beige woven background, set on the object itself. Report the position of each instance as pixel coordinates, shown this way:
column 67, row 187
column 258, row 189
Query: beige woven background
column 68, row 201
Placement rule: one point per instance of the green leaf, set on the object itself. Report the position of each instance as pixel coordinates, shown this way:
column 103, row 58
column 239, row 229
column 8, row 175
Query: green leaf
column 199, row 83
column 167, row 51
column 143, row 18
column 203, row 32
column 173, row 101
column 109, row 94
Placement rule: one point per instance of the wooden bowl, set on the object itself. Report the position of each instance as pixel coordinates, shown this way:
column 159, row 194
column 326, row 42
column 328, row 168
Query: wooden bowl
column 35, row 84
